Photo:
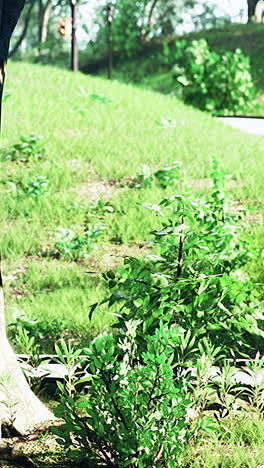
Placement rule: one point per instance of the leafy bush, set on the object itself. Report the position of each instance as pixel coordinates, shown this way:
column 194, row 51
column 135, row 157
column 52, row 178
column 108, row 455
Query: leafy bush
column 195, row 279
column 132, row 412
column 142, row 393
column 221, row 84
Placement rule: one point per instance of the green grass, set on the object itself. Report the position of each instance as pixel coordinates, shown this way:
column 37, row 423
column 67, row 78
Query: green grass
column 92, row 149
column 238, row 443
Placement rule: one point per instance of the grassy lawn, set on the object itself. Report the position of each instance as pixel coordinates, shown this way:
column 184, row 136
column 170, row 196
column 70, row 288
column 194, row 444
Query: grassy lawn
column 238, row 443
column 98, row 135
column 93, row 147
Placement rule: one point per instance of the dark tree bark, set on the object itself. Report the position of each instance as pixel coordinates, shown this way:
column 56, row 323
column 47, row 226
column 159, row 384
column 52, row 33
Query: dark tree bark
column 10, row 11
column 255, row 10
column 24, row 29
column 28, row 409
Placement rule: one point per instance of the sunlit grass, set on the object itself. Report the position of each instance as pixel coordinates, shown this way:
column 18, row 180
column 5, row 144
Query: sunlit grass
column 238, row 442
column 90, row 141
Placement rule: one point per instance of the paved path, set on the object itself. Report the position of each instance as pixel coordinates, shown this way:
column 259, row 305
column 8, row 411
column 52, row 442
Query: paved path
column 253, row 125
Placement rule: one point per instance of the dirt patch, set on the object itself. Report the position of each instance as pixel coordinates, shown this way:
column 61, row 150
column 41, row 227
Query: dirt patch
column 201, row 184
column 207, row 183
column 249, row 216
column 94, row 190
column 39, row 447
column 112, row 255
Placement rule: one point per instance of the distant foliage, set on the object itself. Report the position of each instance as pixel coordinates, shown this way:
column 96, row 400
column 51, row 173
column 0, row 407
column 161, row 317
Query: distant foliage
column 221, row 84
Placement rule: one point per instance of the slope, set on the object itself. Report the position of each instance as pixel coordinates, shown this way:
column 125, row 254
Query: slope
column 97, row 136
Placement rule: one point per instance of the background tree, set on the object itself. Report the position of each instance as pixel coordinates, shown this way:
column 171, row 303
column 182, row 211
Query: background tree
column 137, row 22
column 19, row 407
column 255, row 10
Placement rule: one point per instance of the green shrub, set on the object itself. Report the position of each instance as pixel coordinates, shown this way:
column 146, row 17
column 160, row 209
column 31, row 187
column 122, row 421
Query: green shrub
column 142, row 393
column 221, row 84
column 132, row 412
column 196, row 277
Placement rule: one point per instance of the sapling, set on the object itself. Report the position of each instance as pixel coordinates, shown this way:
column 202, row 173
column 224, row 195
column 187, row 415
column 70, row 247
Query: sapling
column 191, row 280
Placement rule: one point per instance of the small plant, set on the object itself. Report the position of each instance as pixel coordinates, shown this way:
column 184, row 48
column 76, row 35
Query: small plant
column 76, row 245
column 35, row 187
column 99, row 209
column 6, row 388
column 164, row 177
column 35, row 375
column 24, row 332
column 27, row 148
column 229, row 394
column 167, row 176
column 255, row 391
column 70, row 358
column 167, row 122
column 6, row 95
column 144, row 179
column 221, row 84
column 100, row 98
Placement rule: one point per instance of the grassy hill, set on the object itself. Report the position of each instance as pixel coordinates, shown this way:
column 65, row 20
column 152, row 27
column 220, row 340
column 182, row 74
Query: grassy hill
column 98, row 134
column 147, row 70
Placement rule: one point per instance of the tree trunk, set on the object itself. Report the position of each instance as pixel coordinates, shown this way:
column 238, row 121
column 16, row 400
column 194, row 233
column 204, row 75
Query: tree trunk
column 258, row 12
column 10, row 11
column 255, row 10
column 45, row 22
column 43, row 18
column 24, row 30
column 19, row 407
column 151, row 20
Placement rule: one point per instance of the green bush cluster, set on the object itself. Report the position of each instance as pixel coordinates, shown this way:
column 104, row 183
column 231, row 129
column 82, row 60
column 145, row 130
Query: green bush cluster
column 221, row 84
column 133, row 401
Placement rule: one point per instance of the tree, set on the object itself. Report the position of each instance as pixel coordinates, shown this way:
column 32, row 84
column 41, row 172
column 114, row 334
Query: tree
column 140, row 21
column 255, row 8
column 24, row 29
column 19, row 407
column 10, row 11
